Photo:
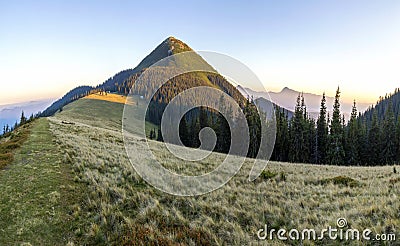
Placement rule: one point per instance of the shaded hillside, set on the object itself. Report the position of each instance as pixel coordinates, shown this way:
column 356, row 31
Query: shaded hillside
column 71, row 96
column 382, row 105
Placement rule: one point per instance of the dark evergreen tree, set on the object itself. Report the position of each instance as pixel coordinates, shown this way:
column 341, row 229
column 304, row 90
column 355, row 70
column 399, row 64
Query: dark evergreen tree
column 374, row 141
column 389, row 136
column 296, row 133
column 398, row 139
column 352, row 138
column 152, row 134
column 23, row 119
column 194, row 133
column 159, row 135
column 362, row 140
column 306, row 126
column 204, row 119
column 254, row 123
column 335, row 149
column 184, row 132
column 322, row 133
column 281, row 147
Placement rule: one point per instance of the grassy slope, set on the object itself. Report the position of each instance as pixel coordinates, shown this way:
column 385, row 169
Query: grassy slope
column 74, row 183
column 101, row 111
column 37, row 194
column 10, row 142
column 121, row 208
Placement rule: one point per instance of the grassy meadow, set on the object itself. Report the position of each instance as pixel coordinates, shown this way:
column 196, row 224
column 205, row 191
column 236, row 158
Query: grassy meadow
column 72, row 183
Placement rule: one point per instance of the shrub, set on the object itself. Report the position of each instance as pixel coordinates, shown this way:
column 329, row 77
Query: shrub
column 267, row 174
column 341, row 180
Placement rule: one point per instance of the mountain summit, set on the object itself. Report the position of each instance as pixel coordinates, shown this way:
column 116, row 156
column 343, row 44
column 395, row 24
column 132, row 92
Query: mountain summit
column 122, row 82
column 169, row 46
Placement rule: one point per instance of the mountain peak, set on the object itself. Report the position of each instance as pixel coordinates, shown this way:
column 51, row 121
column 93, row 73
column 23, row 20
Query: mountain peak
column 287, row 89
column 169, row 46
column 176, row 46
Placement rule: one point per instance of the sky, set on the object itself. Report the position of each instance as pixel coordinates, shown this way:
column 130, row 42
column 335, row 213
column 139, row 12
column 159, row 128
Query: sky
column 50, row 47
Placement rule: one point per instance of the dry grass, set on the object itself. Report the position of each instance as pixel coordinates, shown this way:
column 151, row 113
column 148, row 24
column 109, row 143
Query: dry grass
column 110, row 97
column 123, row 209
column 11, row 142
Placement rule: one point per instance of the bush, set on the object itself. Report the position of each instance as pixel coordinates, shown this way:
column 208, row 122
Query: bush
column 341, row 180
column 267, row 174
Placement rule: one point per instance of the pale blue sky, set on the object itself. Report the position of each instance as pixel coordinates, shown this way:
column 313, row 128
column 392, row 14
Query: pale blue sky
column 49, row 47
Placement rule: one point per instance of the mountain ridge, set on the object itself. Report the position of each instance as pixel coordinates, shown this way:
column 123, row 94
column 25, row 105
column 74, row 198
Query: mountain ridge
column 114, row 83
column 286, row 98
column 123, row 81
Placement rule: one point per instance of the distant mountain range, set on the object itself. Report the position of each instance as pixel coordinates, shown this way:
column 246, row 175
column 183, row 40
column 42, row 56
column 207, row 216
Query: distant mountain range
column 10, row 113
column 286, row 98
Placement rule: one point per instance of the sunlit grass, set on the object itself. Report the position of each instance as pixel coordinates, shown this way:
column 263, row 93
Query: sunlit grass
column 123, row 209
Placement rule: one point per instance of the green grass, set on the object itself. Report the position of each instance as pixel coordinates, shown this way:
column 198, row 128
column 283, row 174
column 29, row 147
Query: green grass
column 267, row 174
column 342, row 180
column 11, row 142
column 37, row 194
column 82, row 170
column 103, row 114
column 124, row 210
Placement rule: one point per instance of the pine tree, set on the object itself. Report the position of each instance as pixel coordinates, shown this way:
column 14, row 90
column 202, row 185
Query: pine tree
column 312, row 135
column 322, row 133
column 336, row 151
column 306, row 126
column 374, row 141
column 203, row 118
column 389, row 136
column 221, row 127
column 152, row 134
column 282, row 135
column 362, row 141
column 159, row 135
column 296, row 133
column 194, row 133
column 183, row 132
column 23, row 119
column 398, row 139
column 254, row 123
column 352, row 143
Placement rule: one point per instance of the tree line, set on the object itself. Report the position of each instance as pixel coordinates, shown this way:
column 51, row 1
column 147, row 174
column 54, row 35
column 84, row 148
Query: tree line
column 198, row 118
column 22, row 121
column 371, row 138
